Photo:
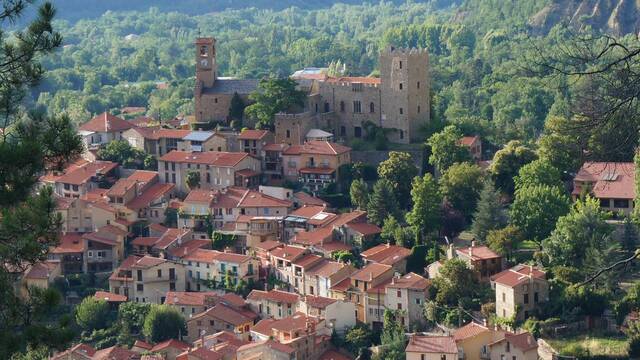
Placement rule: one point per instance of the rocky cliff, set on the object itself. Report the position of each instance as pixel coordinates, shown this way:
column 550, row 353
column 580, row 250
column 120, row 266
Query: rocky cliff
column 616, row 17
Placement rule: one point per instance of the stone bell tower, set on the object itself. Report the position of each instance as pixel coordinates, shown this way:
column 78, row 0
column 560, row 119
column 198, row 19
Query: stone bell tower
column 206, row 67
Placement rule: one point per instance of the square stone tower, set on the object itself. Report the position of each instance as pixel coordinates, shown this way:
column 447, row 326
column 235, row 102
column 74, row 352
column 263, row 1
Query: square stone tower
column 405, row 87
column 206, row 66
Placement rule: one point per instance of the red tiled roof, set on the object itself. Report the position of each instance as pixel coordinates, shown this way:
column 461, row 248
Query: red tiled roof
column 349, row 217
column 518, row 274
column 364, row 228
column 386, row 254
column 342, row 285
column 308, row 211
column 274, row 296
column 307, row 199
column 468, row 140
column 188, row 247
column 144, row 241
column 354, row 79
column 523, row 341
column 333, row 355
column 263, row 326
column 233, row 300
column 106, row 122
column 42, row 270
column 317, row 147
column 213, row 158
column 308, row 261
column 297, row 321
column 227, row 314
column 201, row 196
column 148, row 261
column 609, row 180
column 432, row 344
column 371, row 271
column 332, row 246
column 201, row 354
column 318, row 302
column 477, row 253
column 142, row 344
column 268, row 245
column 114, row 353
column 470, row 330
column 410, row 281
column 275, row 147
column 318, row 236
column 322, row 219
column 232, row 257
column 247, row 173
column 170, row 236
column 80, row 349
column 325, row 268
column 83, row 174
column 202, row 255
column 69, row 243
column 270, row 344
column 171, row 343
column 110, row 297
column 253, row 198
column 98, row 237
column 158, row 228
column 249, row 134
column 288, row 252
column 152, row 193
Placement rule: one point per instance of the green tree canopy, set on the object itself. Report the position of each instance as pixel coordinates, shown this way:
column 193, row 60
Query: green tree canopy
column 399, row 169
column 446, row 149
column 461, row 185
column 273, row 95
column 456, row 283
column 92, row 313
column 583, row 228
column 359, row 193
column 162, row 323
column 507, row 162
column 382, row 202
column 193, row 179
column 536, row 210
column 504, row 241
column 537, row 172
column 122, row 152
column 425, row 214
column 490, row 213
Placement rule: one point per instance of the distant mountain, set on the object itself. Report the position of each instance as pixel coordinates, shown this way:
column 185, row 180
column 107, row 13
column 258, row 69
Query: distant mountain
column 616, row 17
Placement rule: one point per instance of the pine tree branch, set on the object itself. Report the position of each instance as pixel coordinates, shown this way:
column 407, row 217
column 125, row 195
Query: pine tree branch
column 611, row 267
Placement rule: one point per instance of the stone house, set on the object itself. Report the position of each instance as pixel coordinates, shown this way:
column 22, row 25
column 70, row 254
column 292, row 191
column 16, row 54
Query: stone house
column 274, row 304
column 221, row 317
column 155, row 141
column 253, row 141
column 103, row 249
column 39, row 275
column 319, row 279
column 367, row 290
column 217, row 169
column 281, row 260
column 154, row 277
column 473, row 339
column 76, row 214
column 203, row 141
column 520, row 291
column 338, row 314
column 81, row 177
column 70, row 252
column 266, row 349
column 408, row 293
column 474, row 144
column 387, row 254
column 191, row 303
column 514, row 346
column 315, row 163
column 483, row 260
column 428, row 347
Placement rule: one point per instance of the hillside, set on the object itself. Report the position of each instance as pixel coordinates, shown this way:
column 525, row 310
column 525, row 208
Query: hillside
column 74, row 10
column 616, row 17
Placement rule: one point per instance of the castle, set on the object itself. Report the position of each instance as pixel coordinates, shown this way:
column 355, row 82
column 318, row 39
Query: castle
column 398, row 100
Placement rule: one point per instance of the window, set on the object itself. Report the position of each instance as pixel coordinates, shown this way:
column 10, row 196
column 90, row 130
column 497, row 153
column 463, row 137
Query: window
column 343, row 131
column 400, row 86
column 423, row 357
column 316, row 107
column 399, row 293
column 399, row 306
column 535, row 298
column 621, row 203
column 418, row 84
column 400, row 63
column 605, row 202
column 418, row 301
column 357, row 107
column 172, row 286
column 211, row 322
column 526, row 298
column 288, row 134
column 401, row 111
column 356, row 87
column 139, row 273
column 341, row 106
column 140, row 287
column 372, row 108
column 401, row 134
column 326, row 107
column 504, row 297
column 443, row 357
column 208, row 178
column 357, row 131
column 418, row 109
column 159, row 273
column 508, row 347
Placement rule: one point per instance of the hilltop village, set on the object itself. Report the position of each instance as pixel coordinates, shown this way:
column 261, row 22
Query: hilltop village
column 238, row 232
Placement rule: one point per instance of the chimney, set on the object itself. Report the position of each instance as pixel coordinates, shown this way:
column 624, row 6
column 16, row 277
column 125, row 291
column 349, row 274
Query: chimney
column 470, row 251
column 484, row 322
column 370, row 276
column 450, row 252
column 388, row 244
column 473, row 243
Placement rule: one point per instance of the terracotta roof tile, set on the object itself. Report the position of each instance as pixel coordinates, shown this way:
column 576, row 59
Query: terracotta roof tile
column 297, row 321
column 342, row 285
column 268, row 245
column 253, row 198
column 354, row 79
column 115, row 353
column 523, row 341
column 332, row 246
column 308, row 261
column 288, row 252
column 275, row 147
column 150, row 194
column 270, row 344
column 69, row 243
column 147, row 262
column 609, row 180
column 83, row 174
column 213, row 158
column 249, row 134
column 274, row 296
column 314, row 237
column 468, row 140
column 386, row 254
column 308, row 211
column 318, row 302
column 144, row 241
column 170, row 236
column 411, row 281
column 333, row 355
column 432, row 344
column 317, row 147
column 42, row 270
column 364, row 228
column 202, row 255
column 263, row 326
column 232, row 257
column 477, row 253
column 201, row 354
column 370, row 271
column 518, row 274
column 325, row 268
column 171, row 343
column 227, row 314
column 468, row 331
column 106, row 122
column 188, row 247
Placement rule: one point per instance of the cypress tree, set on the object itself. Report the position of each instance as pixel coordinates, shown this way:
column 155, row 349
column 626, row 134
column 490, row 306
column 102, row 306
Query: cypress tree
column 489, row 213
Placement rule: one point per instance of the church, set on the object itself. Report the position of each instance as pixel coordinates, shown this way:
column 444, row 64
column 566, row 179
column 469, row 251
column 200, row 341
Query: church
column 398, row 100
